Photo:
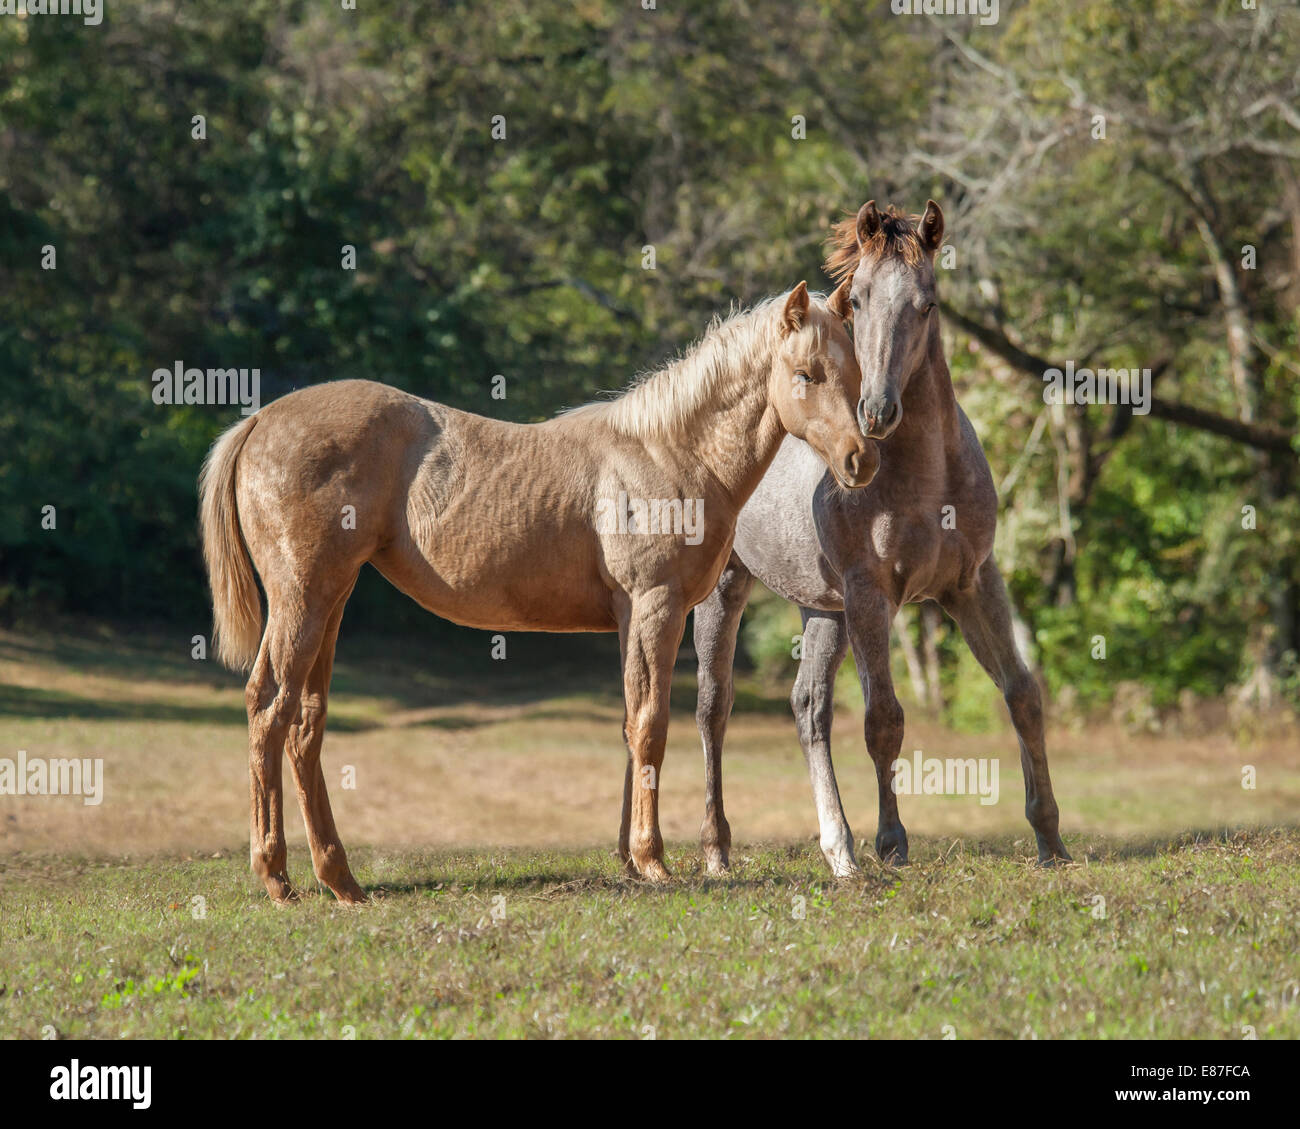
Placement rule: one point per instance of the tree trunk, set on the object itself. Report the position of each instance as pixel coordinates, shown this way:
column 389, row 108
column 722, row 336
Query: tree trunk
column 912, row 657
column 931, row 618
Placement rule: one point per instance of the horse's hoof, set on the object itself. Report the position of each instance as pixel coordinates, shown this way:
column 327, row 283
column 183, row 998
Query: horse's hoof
column 654, row 872
column 841, row 861
column 1056, row 856
column 280, row 891
column 716, row 864
column 351, row 895
column 892, row 847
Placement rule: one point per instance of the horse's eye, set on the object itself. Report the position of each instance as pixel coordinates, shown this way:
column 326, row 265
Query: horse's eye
column 803, row 376
column 853, row 301
column 929, row 309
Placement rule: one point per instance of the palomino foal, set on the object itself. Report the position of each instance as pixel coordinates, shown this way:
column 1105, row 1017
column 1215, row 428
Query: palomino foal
column 538, row 527
column 851, row 560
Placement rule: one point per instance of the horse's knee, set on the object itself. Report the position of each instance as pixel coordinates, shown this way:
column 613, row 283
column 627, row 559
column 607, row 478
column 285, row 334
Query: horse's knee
column 713, row 703
column 813, row 706
column 884, row 718
column 646, row 730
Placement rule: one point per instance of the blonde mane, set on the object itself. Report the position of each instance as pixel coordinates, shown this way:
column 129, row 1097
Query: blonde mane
column 664, row 401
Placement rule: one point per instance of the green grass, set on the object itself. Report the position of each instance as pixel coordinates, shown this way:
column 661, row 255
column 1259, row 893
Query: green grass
column 1198, row 939
column 1197, row 935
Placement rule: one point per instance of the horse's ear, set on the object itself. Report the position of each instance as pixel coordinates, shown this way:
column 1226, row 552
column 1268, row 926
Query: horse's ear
column 930, row 229
column 868, row 222
column 838, row 302
column 795, row 313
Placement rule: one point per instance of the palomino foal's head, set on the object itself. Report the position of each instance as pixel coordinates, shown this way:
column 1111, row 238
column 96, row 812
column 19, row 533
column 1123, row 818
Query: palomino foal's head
column 885, row 267
column 816, row 388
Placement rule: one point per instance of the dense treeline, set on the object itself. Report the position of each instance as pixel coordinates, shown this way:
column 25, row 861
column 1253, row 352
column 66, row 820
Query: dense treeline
column 1122, row 189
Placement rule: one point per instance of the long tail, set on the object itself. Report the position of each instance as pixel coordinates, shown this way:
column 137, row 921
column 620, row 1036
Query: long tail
column 236, row 604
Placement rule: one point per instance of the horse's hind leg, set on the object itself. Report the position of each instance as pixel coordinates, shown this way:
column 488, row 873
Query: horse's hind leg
column 717, row 620
column 870, row 615
column 983, row 613
column 273, row 695
column 651, row 623
column 825, row 641
column 303, row 745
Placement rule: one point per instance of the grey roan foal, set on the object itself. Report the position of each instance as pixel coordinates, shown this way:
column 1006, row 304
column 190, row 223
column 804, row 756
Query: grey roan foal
column 851, row 559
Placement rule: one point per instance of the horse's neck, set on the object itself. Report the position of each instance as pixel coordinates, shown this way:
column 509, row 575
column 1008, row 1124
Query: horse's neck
column 737, row 432
column 930, row 431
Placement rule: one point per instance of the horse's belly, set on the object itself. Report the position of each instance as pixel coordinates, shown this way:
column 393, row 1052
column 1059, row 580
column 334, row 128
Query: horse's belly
column 515, row 611
column 802, row 579
column 776, row 539
column 504, row 594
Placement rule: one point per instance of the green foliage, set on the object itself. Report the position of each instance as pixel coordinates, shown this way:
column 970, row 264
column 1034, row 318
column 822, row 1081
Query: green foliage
column 769, row 634
column 523, row 257
column 474, row 256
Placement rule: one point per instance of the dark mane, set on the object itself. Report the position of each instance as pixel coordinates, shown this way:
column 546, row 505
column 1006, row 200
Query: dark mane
column 897, row 238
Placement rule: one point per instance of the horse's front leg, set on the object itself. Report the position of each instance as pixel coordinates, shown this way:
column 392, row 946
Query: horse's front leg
column 869, row 614
column 654, row 622
column 825, row 642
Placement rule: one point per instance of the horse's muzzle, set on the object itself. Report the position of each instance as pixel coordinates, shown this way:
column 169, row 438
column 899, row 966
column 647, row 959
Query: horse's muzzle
column 880, row 419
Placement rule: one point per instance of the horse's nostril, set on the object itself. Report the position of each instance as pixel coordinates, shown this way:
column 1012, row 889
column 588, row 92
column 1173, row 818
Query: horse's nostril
column 872, row 423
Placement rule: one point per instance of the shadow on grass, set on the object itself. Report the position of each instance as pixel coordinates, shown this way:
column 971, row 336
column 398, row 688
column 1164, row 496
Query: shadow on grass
column 797, row 863
column 1184, row 842
column 543, row 713
column 455, row 667
column 548, row 884
column 401, row 677
column 24, row 701
column 1090, row 848
column 450, row 666
column 37, row 704
column 540, row 882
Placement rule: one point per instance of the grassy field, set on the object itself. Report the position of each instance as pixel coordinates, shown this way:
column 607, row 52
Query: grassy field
column 485, row 807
